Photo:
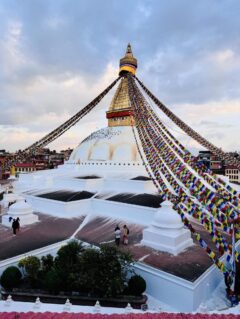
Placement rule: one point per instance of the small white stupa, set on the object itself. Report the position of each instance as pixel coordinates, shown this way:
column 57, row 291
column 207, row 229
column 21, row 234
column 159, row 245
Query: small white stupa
column 12, row 178
column 10, row 198
column 167, row 232
column 22, row 210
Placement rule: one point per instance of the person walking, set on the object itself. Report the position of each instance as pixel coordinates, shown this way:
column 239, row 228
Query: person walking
column 125, row 234
column 14, row 226
column 117, row 233
column 18, row 224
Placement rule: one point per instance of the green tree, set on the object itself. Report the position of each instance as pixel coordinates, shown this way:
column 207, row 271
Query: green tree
column 66, row 264
column 103, row 271
column 115, row 265
column 136, row 285
column 47, row 263
column 31, row 266
column 67, row 256
column 88, row 268
column 53, row 281
column 11, row 277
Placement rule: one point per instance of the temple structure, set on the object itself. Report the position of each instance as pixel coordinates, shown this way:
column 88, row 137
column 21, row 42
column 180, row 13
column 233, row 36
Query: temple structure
column 114, row 143
column 111, row 179
column 120, row 110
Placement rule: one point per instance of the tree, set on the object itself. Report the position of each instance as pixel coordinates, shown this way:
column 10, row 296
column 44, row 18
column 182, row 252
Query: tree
column 11, row 277
column 53, row 281
column 47, row 263
column 31, row 266
column 67, row 256
column 136, row 285
column 115, row 265
column 103, row 272
column 88, row 268
column 66, row 263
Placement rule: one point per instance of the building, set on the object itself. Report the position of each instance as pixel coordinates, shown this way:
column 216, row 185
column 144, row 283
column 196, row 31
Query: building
column 4, row 173
column 217, row 165
column 205, row 158
column 42, row 159
column 66, row 153
column 24, row 168
column 211, row 161
column 233, row 174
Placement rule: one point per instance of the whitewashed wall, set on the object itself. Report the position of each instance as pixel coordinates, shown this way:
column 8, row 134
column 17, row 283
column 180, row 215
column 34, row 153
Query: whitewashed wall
column 178, row 293
column 58, row 208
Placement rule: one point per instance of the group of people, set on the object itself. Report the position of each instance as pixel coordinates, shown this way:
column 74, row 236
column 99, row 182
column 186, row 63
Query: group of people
column 15, row 225
column 118, row 234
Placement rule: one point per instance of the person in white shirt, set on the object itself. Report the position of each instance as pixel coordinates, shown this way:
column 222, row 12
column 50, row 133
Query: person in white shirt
column 117, row 233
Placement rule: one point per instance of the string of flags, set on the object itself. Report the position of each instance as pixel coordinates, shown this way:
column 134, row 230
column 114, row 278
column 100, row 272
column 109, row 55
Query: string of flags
column 195, row 191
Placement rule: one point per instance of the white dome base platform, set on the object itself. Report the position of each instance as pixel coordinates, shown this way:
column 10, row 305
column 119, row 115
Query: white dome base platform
column 111, row 155
column 167, row 233
column 21, row 210
column 24, row 220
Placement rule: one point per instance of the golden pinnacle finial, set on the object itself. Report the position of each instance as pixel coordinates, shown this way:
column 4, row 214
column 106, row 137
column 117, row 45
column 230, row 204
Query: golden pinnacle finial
column 128, row 63
column 129, row 49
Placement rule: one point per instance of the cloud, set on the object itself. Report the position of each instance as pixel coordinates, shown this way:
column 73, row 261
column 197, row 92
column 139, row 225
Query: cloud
column 214, row 124
column 56, row 56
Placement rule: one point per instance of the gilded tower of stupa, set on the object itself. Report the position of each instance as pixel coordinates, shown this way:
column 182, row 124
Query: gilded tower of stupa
column 120, row 110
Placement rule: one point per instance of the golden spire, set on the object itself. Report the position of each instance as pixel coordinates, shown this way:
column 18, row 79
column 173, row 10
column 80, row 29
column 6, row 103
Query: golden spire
column 128, row 63
column 119, row 113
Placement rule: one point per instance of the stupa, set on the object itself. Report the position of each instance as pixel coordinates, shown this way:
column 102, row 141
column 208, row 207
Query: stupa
column 22, row 210
column 111, row 156
column 167, row 233
column 115, row 144
column 104, row 183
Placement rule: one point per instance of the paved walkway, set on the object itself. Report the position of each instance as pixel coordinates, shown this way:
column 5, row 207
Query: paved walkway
column 47, row 231
column 189, row 265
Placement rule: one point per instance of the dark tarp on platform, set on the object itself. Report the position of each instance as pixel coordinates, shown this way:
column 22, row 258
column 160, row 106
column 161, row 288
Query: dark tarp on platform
column 148, row 200
column 66, row 196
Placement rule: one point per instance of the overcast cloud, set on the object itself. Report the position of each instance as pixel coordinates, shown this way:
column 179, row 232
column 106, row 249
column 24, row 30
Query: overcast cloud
column 56, row 56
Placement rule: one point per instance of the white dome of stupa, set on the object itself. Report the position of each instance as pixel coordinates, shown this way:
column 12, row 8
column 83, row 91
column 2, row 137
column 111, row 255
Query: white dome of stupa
column 11, row 197
column 167, row 232
column 166, row 217
column 23, row 211
column 20, row 208
column 116, row 144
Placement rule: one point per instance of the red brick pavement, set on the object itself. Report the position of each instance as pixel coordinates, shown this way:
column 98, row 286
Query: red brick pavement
column 47, row 231
column 189, row 265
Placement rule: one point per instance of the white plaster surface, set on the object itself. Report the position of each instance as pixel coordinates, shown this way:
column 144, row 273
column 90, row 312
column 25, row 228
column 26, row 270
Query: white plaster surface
column 169, row 292
column 17, row 306
column 111, row 154
column 167, row 232
column 21, row 210
column 110, row 143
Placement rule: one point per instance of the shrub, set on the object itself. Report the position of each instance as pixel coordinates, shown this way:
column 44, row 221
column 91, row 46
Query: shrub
column 67, row 256
column 53, row 281
column 31, row 265
column 136, row 285
column 114, row 265
column 103, row 272
column 11, row 277
column 66, row 264
column 47, row 263
column 98, row 272
column 88, row 268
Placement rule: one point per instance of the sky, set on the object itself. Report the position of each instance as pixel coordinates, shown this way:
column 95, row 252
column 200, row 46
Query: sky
column 58, row 55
